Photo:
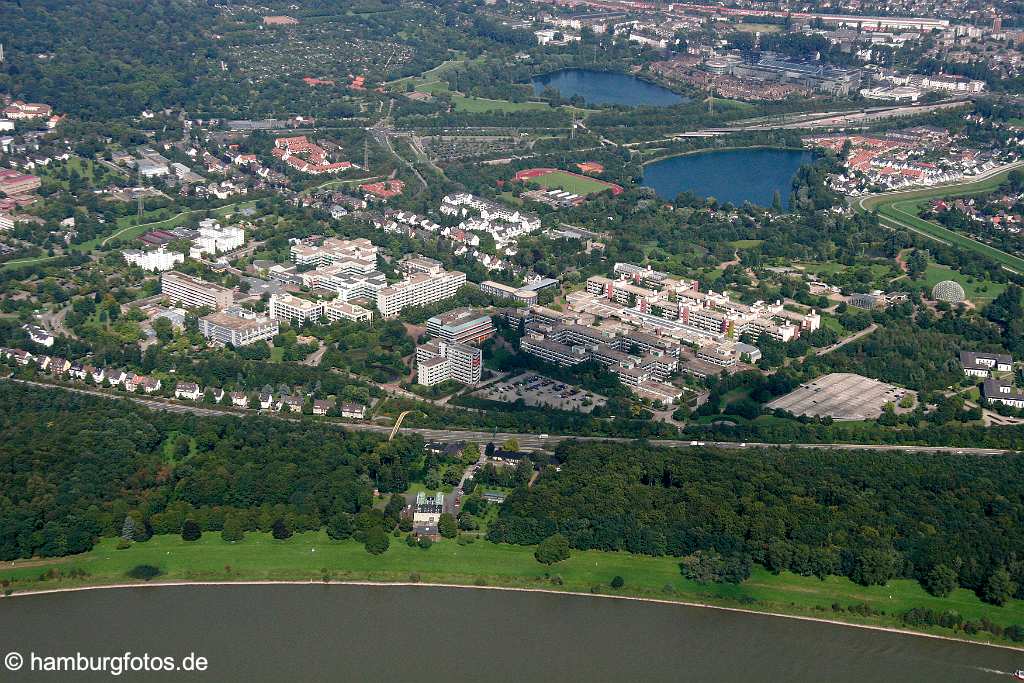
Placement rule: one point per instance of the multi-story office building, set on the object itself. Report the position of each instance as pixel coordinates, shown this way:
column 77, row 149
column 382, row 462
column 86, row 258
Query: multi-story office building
column 342, row 310
column 439, row 361
column 192, row 292
column 419, row 289
column 295, row 310
column 554, row 352
column 334, row 250
column 340, row 280
column 462, row 325
column 158, row 260
column 520, row 294
column 238, row 328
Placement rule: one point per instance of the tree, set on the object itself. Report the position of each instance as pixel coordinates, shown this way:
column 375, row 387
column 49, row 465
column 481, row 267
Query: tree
column 446, row 525
column 377, row 541
column 128, row 528
column 190, row 530
column 164, row 330
column 340, row 527
column 471, row 453
column 280, row 530
column 425, row 542
column 940, row 581
column 552, row 549
column 618, row 582
column 233, row 529
column 511, row 444
column 145, row 572
column 998, row 588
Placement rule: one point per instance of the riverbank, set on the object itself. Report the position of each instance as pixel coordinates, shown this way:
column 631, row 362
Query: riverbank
column 312, row 558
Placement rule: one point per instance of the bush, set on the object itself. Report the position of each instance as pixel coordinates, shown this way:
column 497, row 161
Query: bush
column 144, row 572
column 618, row 582
column 190, row 531
column 340, row 527
column 552, row 549
column 377, row 542
column 280, row 530
column 425, row 542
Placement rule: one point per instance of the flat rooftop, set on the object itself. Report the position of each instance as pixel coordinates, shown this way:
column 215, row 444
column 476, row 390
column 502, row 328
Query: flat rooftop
column 841, row 396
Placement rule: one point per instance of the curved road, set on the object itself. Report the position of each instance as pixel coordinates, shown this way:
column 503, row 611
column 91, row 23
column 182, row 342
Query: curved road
column 525, row 440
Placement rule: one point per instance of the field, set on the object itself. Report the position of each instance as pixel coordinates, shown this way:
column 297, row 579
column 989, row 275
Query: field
column 979, row 292
column 479, row 104
column 313, row 556
column 751, row 27
column 564, row 180
column 900, row 210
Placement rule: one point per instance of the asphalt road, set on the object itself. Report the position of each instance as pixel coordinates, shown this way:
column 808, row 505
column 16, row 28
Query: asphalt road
column 527, row 441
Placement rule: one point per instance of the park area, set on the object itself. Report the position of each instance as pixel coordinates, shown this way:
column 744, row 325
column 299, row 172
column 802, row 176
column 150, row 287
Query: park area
column 555, row 179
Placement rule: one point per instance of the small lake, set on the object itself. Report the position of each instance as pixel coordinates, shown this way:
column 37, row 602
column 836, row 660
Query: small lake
column 399, row 634
column 732, row 175
column 606, row 87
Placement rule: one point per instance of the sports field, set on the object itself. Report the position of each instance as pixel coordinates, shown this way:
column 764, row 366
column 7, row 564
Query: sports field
column 564, row 180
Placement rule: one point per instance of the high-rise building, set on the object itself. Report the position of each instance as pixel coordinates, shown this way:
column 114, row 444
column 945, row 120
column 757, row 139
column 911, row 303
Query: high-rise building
column 462, row 325
column 193, row 292
column 437, row 362
column 419, row 289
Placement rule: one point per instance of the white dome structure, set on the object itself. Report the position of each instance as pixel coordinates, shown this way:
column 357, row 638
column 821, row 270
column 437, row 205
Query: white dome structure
column 950, row 291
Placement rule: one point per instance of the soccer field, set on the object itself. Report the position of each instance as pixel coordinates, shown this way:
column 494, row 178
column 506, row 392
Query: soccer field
column 570, row 183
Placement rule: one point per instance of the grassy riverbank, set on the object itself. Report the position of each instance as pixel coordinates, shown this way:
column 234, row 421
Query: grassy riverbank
column 313, row 556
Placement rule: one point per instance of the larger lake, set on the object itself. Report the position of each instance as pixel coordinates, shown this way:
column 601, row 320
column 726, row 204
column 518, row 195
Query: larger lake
column 397, row 634
column 733, row 175
column 606, row 87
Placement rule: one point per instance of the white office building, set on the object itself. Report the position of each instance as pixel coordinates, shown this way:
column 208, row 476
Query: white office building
column 295, row 310
column 237, row 327
column 213, row 239
column 155, row 261
column 437, row 362
column 192, row 292
column 419, row 289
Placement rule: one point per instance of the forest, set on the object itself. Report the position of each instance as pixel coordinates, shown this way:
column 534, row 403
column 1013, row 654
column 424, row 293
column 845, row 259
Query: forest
column 870, row 516
column 75, row 468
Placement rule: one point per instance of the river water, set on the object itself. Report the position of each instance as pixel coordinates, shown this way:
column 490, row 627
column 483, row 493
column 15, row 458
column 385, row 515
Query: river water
column 397, row 634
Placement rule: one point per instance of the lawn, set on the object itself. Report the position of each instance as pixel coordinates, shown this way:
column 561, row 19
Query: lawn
column 746, row 244
column 479, row 104
column 758, row 28
column 980, row 292
column 570, row 183
column 312, row 556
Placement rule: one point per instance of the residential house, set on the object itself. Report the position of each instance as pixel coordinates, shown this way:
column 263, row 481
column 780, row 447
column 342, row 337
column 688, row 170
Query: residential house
column 188, row 391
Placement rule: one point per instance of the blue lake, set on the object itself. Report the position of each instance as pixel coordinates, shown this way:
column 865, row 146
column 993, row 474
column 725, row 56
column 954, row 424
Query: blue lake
column 606, row 87
column 733, row 175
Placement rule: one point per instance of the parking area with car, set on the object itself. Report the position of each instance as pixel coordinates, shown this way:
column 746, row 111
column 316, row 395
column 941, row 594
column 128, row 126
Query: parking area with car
column 540, row 391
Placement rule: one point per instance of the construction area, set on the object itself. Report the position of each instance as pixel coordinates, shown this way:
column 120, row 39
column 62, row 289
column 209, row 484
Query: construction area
column 841, row 396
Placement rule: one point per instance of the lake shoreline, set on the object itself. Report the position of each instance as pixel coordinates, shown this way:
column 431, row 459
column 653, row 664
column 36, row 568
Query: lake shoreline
column 517, row 589
column 731, row 148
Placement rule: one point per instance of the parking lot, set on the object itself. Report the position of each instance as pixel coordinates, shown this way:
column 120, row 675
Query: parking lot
column 538, row 390
column 840, row 395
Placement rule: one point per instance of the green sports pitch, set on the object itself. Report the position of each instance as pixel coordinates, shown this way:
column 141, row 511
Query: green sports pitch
column 570, row 182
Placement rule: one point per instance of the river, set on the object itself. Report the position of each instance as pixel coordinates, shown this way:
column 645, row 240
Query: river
column 731, row 175
column 606, row 87
column 397, row 634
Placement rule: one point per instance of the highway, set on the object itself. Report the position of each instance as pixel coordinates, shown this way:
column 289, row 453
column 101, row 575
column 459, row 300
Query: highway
column 526, row 441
